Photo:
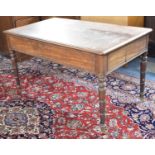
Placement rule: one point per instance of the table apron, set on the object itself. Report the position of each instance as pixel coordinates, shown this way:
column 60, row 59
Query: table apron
column 126, row 53
column 56, row 53
column 87, row 61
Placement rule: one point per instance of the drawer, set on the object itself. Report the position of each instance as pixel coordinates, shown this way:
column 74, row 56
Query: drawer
column 136, row 48
column 26, row 21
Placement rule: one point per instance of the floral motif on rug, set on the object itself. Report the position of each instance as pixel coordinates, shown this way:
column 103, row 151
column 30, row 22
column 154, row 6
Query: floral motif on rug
column 75, row 109
column 25, row 119
column 72, row 95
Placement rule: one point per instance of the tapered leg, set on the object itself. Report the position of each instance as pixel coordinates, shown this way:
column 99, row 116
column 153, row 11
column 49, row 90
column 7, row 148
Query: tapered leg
column 102, row 99
column 15, row 67
column 143, row 66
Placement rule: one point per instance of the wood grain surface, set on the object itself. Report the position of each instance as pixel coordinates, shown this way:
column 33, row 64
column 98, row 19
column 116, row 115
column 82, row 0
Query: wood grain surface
column 99, row 38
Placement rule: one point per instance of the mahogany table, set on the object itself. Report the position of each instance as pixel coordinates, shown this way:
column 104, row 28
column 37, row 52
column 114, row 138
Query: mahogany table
column 98, row 48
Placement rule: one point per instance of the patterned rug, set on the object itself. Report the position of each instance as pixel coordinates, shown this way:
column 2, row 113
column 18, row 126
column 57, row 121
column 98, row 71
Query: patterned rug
column 25, row 119
column 72, row 95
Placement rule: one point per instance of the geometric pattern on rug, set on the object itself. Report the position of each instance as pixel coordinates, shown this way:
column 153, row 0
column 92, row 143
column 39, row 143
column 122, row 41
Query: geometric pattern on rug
column 70, row 94
column 25, row 119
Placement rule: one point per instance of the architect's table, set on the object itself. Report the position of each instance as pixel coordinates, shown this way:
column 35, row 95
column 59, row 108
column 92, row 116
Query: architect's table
column 94, row 47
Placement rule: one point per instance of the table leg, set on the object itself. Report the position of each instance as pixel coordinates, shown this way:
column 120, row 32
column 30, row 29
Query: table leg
column 143, row 66
column 102, row 99
column 15, row 67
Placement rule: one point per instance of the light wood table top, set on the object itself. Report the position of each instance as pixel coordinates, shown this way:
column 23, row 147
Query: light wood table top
column 99, row 38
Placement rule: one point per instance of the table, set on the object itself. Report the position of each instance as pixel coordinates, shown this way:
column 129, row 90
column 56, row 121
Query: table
column 98, row 48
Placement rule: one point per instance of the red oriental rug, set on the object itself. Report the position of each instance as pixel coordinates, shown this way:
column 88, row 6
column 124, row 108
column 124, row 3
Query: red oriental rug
column 74, row 108
column 64, row 102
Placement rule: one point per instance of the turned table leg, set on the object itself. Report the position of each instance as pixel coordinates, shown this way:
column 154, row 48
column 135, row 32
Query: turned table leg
column 102, row 99
column 15, row 67
column 143, row 66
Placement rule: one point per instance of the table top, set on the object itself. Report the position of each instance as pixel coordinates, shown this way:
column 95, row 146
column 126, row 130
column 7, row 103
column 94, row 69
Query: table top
column 99, row 38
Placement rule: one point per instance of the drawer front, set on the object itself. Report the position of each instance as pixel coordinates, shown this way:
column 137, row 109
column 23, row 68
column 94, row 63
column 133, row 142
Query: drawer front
column 136, row 48
column 116, row 59
column 125, row 54
column 26, row 21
